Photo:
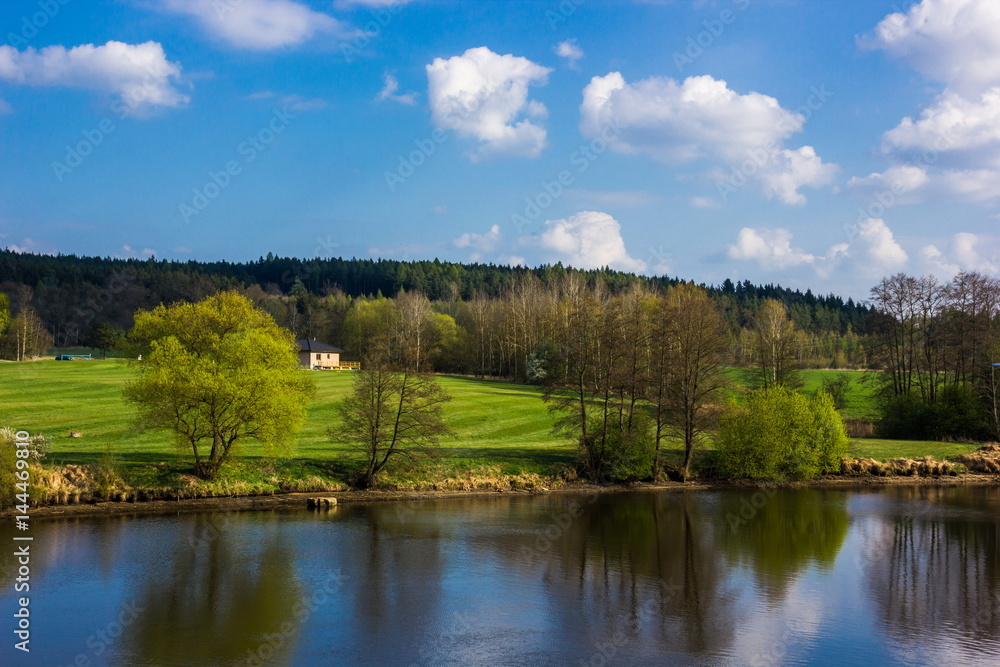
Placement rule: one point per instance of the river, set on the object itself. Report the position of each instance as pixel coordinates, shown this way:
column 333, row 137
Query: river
column 905, row 575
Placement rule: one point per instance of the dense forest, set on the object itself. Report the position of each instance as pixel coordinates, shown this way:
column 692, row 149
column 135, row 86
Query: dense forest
column 78, row 300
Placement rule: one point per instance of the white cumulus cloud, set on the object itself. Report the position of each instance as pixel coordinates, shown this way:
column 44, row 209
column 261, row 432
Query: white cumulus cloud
column 955, row 139
column 871, row 252
column 954, row 124
column 964, row 253
column 771, row 248
column 878, row 251
column 260, row 25
column 956, row 42
column 139, row 75
column 702, row 119
column 484, row 95
column 589, row 240
column 899, row 179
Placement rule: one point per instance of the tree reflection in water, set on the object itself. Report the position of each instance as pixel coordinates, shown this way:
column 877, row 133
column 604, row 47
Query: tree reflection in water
column 224, row 598
column 932, row 564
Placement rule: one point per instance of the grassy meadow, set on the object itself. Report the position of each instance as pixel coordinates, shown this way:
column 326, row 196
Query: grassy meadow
column 503, row 433
column 501, row 429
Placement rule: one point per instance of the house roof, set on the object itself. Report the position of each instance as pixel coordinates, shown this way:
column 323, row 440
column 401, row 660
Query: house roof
column 313, row 345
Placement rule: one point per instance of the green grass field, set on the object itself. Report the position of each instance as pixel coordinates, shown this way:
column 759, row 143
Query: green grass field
column 859, row 397
column 501, row 427
column 497, row 424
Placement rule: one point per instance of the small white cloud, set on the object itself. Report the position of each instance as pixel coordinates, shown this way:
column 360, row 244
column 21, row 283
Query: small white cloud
column 935, row 261
column 258, row 24
column 299, row 103
column 569, row 51
column 480, row 244
column 770, row 248
column 482, row 94
column 589, row 240
column 702, row 120
column 128, row 251
column 138, row 74
column 789, row 171
column 703, row 202
column 513, row 260
column 881, row 254
column 388, row 92
column 965, row 250
column 292, row 102
column 897, row 180
column 26, row 245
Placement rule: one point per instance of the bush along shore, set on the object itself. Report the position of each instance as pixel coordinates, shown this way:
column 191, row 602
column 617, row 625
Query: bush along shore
column 75, row 487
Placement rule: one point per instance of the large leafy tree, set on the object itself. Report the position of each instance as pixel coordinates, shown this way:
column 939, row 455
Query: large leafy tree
column 217, row 373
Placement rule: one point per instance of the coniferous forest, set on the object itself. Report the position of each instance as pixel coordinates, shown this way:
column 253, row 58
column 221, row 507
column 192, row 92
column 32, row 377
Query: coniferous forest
column 82, row 301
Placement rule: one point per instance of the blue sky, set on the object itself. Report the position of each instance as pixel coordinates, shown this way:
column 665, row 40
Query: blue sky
column 816, row 143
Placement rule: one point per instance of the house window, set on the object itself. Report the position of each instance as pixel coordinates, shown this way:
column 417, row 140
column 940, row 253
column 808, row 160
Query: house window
column 327, row 356
column 318, row 356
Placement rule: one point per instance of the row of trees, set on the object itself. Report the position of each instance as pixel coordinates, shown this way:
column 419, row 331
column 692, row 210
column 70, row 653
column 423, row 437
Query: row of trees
column 623, row 372
column 937, row 343
column 74, row 296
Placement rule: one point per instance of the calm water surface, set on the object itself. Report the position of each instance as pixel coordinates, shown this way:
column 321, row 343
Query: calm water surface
column 906, row 576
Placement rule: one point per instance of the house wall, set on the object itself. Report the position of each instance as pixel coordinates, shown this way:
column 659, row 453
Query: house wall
column 324, row 360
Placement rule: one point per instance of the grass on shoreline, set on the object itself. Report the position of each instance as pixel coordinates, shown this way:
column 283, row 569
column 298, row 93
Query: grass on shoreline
column 503, row 440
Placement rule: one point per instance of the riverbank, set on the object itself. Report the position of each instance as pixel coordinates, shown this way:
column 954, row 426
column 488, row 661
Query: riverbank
column 299, row 500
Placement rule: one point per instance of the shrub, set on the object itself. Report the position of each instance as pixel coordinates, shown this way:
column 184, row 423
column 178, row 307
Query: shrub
column 631, row 450
column 544, row 366
column 958, row 413
column 623, row 454
column 777, row 434
column 904, row 417
column 38, row 446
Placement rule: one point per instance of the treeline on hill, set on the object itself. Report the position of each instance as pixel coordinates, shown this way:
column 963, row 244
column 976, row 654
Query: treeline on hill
column 484, row 310
column 937, row 343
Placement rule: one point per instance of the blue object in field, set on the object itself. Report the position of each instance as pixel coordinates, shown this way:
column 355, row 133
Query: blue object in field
column 71, row 357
